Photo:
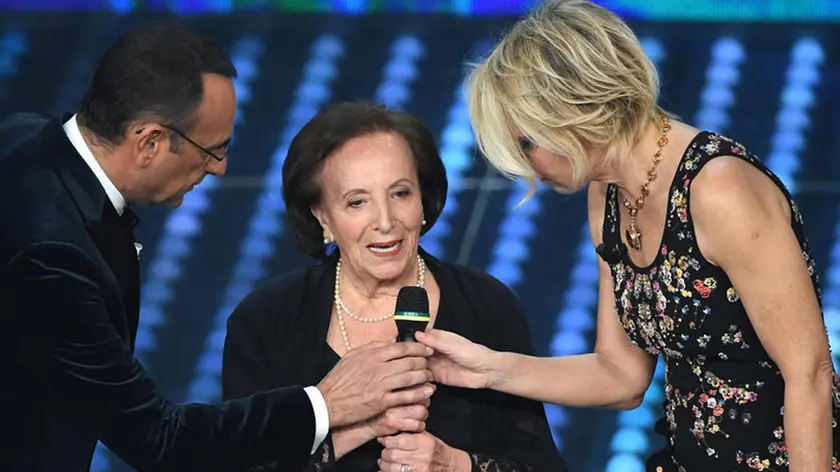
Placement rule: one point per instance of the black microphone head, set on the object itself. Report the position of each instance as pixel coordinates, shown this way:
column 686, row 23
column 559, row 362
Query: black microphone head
column 412, row 299
column 611, row 254
column 411, row 312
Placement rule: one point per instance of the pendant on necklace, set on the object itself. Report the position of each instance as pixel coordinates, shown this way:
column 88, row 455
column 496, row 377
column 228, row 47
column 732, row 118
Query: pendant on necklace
column 634, row 237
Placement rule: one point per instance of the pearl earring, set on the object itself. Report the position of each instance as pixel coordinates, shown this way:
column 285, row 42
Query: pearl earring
column 423, row 222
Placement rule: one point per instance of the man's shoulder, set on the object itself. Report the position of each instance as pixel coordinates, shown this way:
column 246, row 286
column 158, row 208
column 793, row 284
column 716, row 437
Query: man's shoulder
column 26, row 141
column 43, row 234
column 19, row 128
column 26, row 119
column 34, row 205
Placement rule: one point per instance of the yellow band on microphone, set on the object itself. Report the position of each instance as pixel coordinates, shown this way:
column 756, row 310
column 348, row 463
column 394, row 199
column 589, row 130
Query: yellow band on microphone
column 411, row 316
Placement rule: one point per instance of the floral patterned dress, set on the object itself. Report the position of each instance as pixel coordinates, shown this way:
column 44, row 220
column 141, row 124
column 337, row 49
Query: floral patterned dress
column 724, row 395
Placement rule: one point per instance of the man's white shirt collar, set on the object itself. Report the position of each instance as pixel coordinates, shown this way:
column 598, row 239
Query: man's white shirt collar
column 71, row 128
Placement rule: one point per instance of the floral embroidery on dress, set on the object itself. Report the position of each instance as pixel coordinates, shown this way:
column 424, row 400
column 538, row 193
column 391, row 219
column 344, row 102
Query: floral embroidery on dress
column 724, row 395
column 732, row 295
column 485, row 463
column 716, row 401
column 648, row 316
column 734, row 336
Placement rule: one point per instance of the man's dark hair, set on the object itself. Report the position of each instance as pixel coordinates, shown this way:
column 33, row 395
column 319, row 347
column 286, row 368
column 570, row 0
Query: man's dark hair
column 335, row 125
column 152, row 72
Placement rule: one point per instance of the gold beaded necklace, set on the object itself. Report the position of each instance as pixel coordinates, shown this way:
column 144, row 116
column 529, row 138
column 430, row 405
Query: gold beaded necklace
column 341, row 309
column 634, row 237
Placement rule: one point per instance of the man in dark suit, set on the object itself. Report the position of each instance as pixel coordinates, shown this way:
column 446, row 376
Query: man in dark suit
column 156, row 119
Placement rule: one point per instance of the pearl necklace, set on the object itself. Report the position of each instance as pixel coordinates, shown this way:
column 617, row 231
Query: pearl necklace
column 342, row 309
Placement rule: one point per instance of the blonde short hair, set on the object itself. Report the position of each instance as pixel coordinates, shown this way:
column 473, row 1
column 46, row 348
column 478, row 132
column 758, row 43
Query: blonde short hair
column 569, row 77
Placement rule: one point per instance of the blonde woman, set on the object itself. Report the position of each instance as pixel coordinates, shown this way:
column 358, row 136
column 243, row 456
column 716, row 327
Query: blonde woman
column 704, row 260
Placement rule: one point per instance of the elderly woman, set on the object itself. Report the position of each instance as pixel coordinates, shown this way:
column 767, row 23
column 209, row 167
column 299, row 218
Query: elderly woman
column 371, row 181
column 704, row 259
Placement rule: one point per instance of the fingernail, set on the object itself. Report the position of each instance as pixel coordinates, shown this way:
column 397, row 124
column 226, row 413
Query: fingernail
column 429, row 351
column 429, row 391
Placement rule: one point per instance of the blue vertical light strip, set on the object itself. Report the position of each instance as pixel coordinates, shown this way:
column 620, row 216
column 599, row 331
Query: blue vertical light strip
column 462, row 7
column 457, row 145
column 13, row 45
column 718, row 94
column 353, row 7
column 218, row 6
column 575, row 320
column 266, row 223
column 792, row 120
column 181, row 226
column 516, row 229
column 401, row 70
column 120, row 6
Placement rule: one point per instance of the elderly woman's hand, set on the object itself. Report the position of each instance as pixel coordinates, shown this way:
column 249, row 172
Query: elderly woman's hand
column 410, row 418
column 421, row 452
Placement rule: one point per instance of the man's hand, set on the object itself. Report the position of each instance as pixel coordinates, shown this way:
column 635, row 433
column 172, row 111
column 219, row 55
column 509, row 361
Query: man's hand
column 375, row 377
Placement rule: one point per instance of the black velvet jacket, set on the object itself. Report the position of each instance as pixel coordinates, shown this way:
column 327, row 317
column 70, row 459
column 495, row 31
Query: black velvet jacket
column 69, row 305
column 278, row 336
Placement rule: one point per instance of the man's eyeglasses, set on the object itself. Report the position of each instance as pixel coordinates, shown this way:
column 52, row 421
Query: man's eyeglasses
column 203, row 149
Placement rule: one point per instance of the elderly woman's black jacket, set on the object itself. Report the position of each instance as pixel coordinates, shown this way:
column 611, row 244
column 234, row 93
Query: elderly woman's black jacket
column 277, row 336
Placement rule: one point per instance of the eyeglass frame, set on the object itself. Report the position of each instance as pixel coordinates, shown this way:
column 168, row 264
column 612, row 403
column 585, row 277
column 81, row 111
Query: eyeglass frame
column 199, row 146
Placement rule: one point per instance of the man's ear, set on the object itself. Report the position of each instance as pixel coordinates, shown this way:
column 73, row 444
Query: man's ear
column 148, row 140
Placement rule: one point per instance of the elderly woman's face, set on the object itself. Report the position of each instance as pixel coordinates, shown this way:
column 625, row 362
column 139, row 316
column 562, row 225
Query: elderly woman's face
column 371, row 204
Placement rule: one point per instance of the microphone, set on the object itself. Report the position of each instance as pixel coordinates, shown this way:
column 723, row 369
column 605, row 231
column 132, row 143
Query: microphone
column 411, row 312
column 611, row 254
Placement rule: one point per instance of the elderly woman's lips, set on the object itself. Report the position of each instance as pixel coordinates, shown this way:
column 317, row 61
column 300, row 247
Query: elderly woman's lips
column 385, row 244
column 386, row 248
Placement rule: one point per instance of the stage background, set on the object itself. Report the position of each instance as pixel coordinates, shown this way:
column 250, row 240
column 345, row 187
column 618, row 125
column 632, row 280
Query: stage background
column 766, row 72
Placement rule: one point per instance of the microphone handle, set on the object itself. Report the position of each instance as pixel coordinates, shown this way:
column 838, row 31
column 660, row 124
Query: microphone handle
column 408, row 323
column 406, row 337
